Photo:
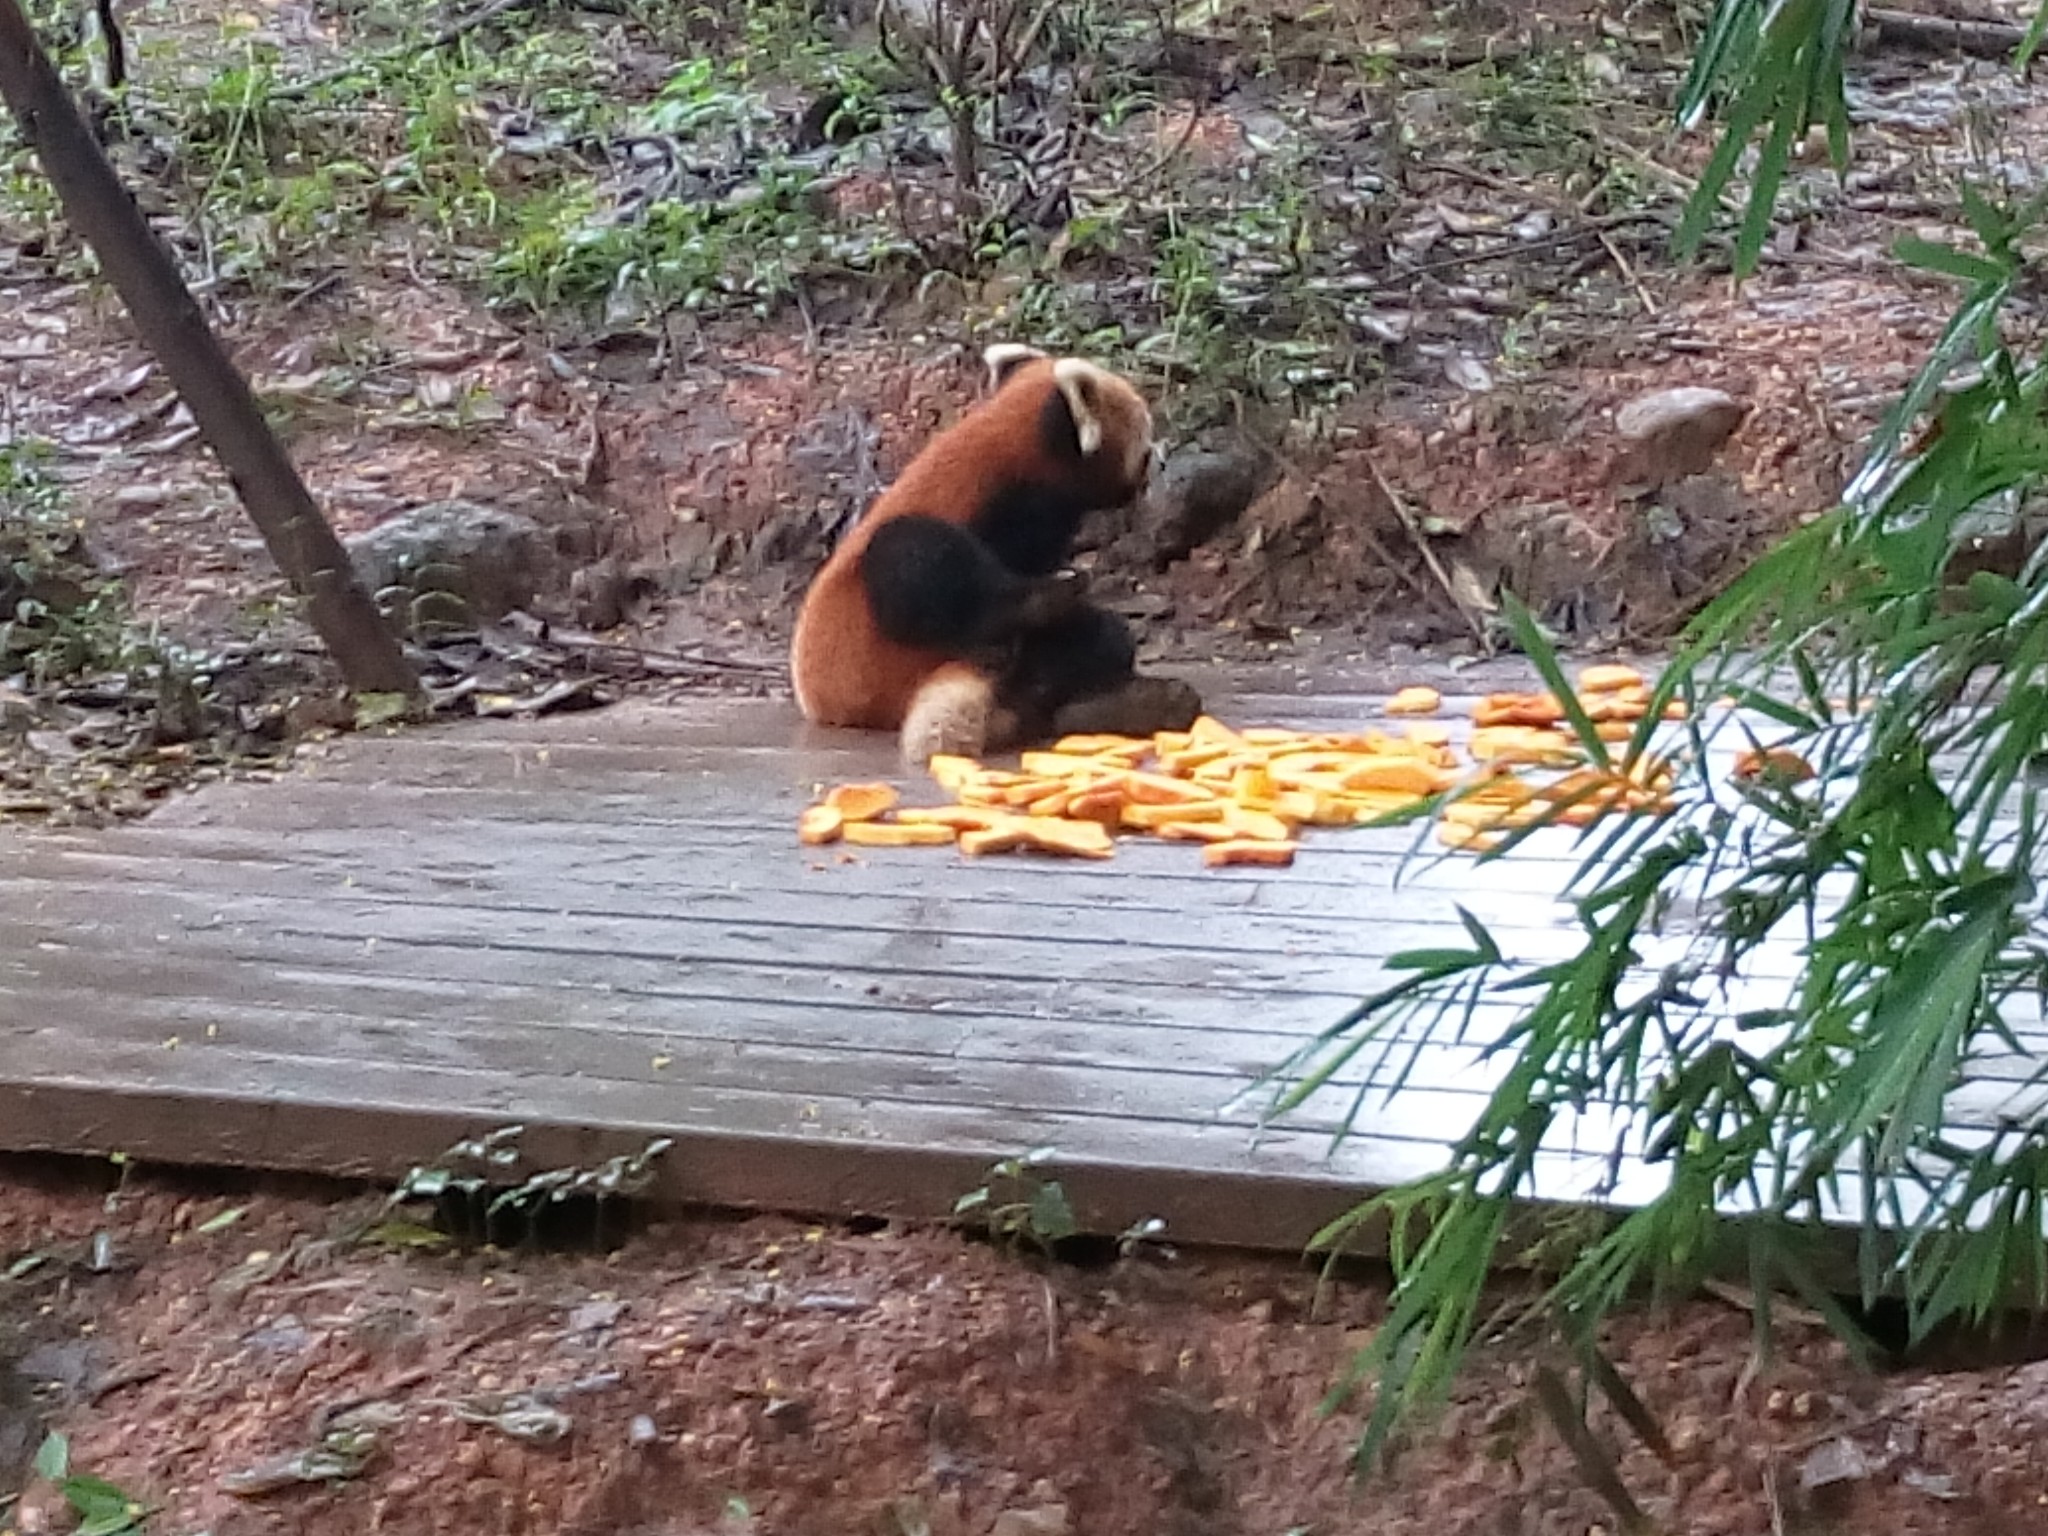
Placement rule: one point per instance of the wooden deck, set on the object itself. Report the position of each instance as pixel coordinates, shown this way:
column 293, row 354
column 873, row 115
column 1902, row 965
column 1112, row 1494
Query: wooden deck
column 602, row 927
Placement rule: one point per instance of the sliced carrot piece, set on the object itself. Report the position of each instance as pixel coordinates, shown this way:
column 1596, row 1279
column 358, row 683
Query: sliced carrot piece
column 1208, row 730
column 1024, row 793
column 1456, row 835
column 1606, row 678
column 1415, row 701
column 1054, row 804
column 1264, row 826
column 899, row 834
column 1405, row 775
column 951, row 772
column 1303, row 805
column 1101, row 746
column 1778, row 763
column 1057, row 765
column 861, row 802
column 1105, row 807
column 1249, row 850
column 1160, row 789
column 960, row 818
column 819, row 824
column 1041, row 834
column 1522, row 744
column 1518, row 709
column 1614, row 706
column 1145, row 818
column 1252, row 785
column 1188, row 759
column 1195, row 832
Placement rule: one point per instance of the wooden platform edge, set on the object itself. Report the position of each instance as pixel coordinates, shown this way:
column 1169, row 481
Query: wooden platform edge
column 774, row 1175
column 823, row 1179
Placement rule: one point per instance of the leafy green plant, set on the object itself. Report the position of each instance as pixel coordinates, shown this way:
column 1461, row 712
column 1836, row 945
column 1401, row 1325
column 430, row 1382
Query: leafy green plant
column 1016, row 1205
column 746, row 250
column 1782, row 65
column 60, row 615
column 479, row 1195
column 1772, row 70
column 1905, row 871
column 103, row 1509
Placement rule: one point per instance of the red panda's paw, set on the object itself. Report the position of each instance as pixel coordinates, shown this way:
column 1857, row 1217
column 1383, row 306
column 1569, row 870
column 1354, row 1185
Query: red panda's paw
column 951, row 715
column 1137, row 707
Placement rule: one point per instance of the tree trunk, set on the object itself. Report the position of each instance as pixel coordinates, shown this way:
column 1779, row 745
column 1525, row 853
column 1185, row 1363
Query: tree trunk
column 142, row 271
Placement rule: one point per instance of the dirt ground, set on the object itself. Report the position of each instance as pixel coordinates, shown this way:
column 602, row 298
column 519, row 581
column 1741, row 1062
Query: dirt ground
column 1404, row 265
column 766, row 1376
column 1467, row 404
column 1429, row 382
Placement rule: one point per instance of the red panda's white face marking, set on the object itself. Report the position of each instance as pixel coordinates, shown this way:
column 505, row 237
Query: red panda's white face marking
column 1110, row 417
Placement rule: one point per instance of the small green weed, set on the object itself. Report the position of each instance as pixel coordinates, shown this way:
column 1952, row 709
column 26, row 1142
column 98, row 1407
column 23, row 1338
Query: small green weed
column 1036, row 1211
column 478, row 1197
column 103, row 1509
column 60, row 616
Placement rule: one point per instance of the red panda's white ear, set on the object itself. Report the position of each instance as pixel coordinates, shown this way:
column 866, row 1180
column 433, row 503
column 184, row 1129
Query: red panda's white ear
column 1076, row 379
column 1004, row 358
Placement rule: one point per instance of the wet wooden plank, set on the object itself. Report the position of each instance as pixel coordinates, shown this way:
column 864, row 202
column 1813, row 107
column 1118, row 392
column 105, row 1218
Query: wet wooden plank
column 601, row 926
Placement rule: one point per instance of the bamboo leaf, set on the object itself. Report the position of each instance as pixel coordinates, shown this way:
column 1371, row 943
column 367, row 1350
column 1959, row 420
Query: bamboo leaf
column 1932, row 256
column 2031, row 43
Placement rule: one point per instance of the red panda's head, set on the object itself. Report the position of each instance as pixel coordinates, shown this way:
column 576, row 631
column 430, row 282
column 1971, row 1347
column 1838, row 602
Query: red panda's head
column 1099, row 413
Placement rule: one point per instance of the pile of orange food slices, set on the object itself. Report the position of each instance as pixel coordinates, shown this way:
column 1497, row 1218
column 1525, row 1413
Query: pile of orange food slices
column 1245, row 796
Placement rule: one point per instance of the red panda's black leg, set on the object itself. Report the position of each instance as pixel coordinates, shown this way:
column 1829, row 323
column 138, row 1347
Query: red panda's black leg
column 1138, row 706
column 1088, row 651
column 1080, row 677
column 936, row 586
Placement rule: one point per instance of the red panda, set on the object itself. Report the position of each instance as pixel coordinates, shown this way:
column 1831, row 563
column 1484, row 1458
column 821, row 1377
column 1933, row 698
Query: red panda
column 946, row 615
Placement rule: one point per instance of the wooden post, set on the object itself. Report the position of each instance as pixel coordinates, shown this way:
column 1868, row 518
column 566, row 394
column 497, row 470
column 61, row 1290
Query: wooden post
column 222, row 404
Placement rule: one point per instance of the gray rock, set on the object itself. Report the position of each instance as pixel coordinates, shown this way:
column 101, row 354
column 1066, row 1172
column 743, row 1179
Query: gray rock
column 1669, row 434
column 607, row 592
column 1835, row 1462
column 17, row 712
column 21, row 1425
column 489, row 561
column 1037, row 1520
column 1202, row 492
column 596, row 1316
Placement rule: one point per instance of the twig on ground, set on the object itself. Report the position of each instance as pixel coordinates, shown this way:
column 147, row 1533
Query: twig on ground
column 662, row 663
column 1172, row 151
column 1289, row 467
column 1979, row 36
column 1394, row 563
column 1593, row 229
column 1534, row 195
column 1445, row 56
column 1771, row 1501
column 1628, row 272
column 1420, row 539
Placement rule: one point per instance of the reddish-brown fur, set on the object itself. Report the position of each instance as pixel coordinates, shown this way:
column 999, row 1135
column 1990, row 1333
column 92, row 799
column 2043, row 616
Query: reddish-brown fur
column 845, row 671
